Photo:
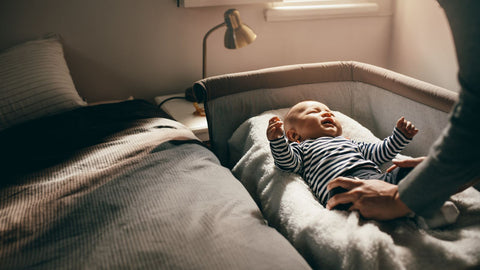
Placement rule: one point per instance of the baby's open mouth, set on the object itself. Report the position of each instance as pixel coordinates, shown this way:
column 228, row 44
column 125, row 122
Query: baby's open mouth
column 328, row 122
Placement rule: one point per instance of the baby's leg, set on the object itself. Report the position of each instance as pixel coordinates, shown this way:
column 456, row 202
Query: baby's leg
column 395, row 176
column 335, row 191
column 446, row 215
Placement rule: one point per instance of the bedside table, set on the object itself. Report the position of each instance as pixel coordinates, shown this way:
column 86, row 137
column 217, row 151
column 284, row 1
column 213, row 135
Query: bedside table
column 182, row 111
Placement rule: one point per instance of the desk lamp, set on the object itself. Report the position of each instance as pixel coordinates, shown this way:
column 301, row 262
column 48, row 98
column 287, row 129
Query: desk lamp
column 237, row 35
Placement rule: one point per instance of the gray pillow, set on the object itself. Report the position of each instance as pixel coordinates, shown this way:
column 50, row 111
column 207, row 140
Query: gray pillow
column 34, row 82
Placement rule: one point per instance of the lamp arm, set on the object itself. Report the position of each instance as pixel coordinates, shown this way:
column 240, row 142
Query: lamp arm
column 204, row 56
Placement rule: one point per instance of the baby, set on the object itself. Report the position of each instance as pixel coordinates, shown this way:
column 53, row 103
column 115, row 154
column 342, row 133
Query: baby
column 319, row 153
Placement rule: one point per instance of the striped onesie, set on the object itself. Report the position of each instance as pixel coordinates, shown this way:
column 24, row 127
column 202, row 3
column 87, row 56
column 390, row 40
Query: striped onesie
column 323, row 159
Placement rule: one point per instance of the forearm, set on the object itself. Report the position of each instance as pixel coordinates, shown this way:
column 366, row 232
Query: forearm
column 284, row 155
column 387, row 149
column 452, row 162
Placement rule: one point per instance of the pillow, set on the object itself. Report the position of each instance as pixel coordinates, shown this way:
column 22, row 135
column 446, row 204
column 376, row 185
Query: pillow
column 35, row 82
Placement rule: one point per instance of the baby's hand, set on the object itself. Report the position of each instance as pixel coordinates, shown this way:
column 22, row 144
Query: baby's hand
column 406, row 127
column 275, row 128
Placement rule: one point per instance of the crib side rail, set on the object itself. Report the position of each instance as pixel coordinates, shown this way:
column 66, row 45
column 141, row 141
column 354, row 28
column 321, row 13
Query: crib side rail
column 230, row 99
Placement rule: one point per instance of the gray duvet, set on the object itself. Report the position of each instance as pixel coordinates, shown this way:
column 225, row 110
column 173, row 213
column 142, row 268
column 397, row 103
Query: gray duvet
column 138, row 200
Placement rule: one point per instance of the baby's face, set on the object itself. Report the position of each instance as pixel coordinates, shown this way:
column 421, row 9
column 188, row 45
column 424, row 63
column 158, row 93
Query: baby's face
column 312, row 119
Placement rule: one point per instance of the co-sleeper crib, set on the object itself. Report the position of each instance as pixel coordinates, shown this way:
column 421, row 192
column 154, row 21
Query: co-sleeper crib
column 370, row 100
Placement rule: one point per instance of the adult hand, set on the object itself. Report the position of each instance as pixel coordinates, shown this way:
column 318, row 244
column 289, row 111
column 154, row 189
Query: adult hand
column 405, row 163
column 374, row 199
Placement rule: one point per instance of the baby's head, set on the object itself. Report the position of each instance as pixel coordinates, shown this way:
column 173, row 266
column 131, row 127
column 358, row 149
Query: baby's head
column 310, row 120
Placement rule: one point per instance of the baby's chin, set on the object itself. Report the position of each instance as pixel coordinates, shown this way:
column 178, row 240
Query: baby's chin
column 333, row 133
column 338, row 132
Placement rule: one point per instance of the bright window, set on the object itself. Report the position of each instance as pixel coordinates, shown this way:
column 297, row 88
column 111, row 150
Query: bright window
column 313, row 3
column 286, row 10
column 207, row 3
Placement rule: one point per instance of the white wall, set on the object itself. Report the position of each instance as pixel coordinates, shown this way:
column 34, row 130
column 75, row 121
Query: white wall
column 422, row 44
column 144, row 48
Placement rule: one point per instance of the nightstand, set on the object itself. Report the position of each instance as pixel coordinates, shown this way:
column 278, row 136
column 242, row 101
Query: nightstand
column 182, row 111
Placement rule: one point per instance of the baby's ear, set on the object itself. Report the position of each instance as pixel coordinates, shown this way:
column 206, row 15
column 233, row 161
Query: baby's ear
column 292, row 135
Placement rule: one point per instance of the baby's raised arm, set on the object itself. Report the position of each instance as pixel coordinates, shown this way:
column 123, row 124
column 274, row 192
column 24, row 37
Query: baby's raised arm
column 275, row 128
column 407, row 128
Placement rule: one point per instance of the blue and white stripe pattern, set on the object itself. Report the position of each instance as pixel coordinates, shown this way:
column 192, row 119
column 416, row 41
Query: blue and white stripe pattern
column 321, row 160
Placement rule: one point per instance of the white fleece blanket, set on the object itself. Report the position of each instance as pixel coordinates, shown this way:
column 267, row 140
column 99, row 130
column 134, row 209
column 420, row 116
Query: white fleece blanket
column 344, row 240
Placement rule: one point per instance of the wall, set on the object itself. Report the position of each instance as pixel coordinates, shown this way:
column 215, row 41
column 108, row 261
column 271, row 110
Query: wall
column 422, row 44
column 144, row 48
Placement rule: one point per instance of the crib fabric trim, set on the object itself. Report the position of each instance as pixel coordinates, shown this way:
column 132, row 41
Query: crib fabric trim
column 217, row 86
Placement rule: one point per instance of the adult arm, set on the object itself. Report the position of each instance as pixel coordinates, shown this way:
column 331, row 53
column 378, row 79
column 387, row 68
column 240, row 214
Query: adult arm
column 453, row 160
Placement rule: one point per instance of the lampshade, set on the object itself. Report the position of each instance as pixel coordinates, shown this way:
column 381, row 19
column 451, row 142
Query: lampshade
column 237, row 35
